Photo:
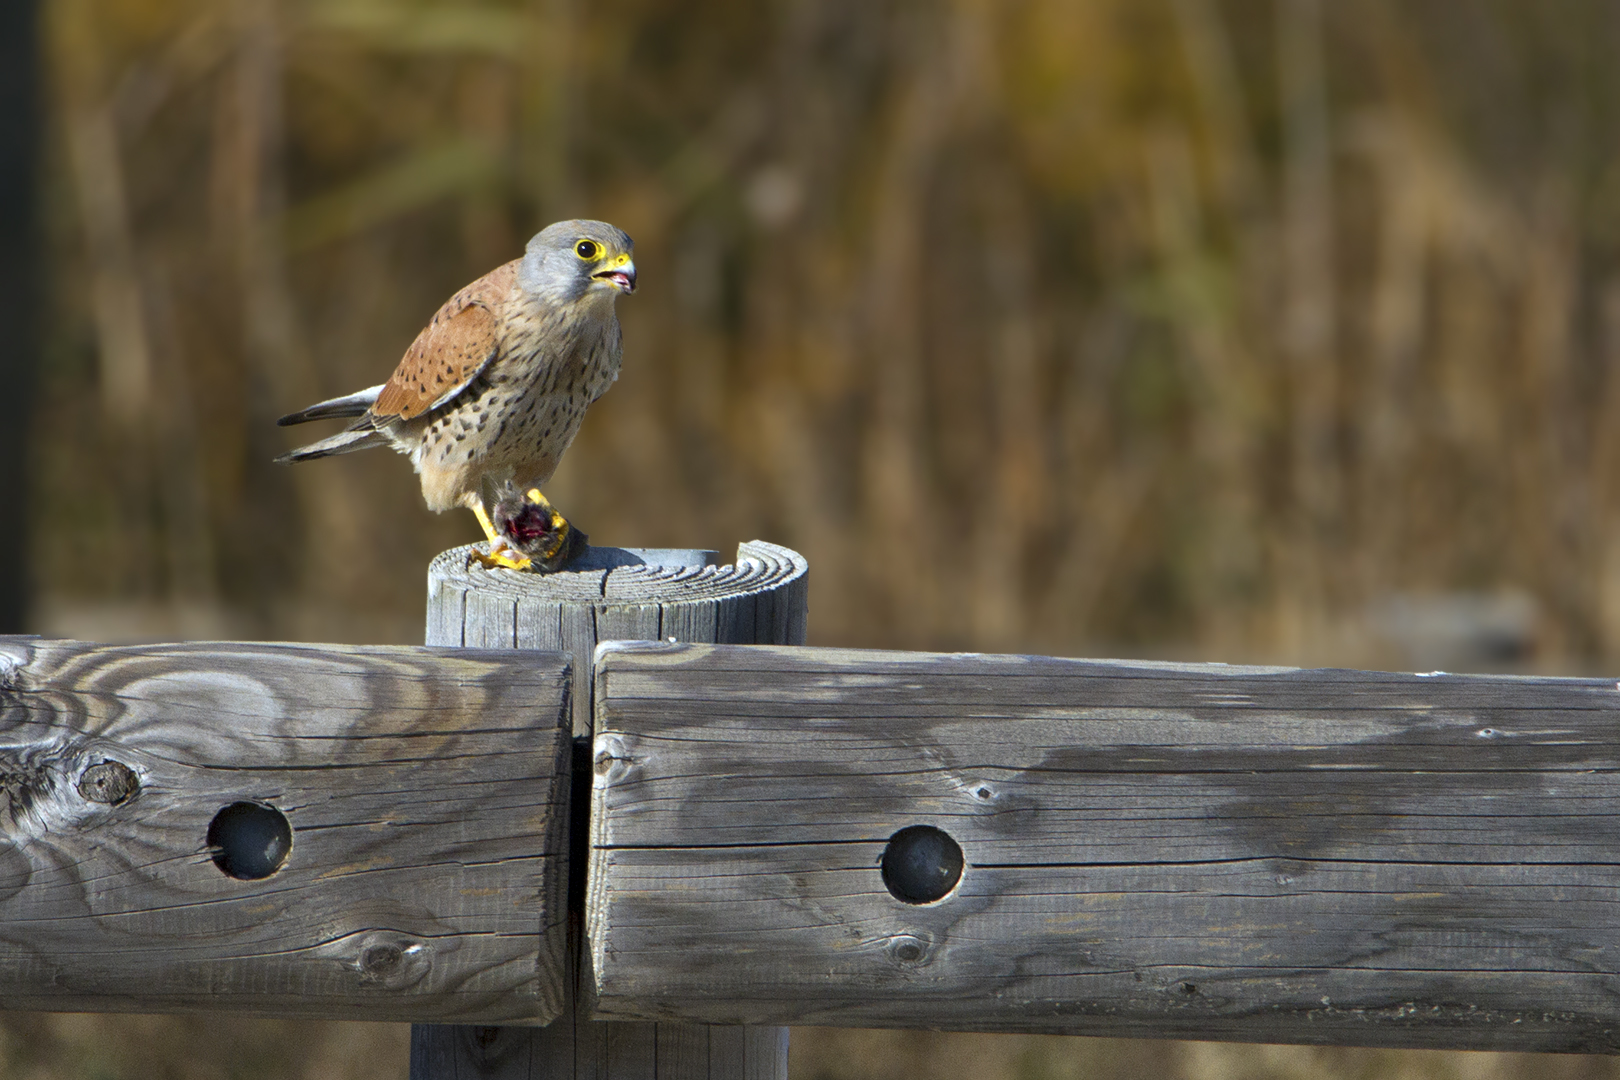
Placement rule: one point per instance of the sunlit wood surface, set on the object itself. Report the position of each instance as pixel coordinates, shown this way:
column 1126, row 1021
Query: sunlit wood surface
column 426, row 792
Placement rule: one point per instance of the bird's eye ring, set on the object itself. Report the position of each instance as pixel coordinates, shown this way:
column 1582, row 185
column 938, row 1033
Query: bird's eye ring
column 587, row 249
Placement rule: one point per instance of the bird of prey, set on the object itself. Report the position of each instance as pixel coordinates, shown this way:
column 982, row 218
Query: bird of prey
column 491, row 393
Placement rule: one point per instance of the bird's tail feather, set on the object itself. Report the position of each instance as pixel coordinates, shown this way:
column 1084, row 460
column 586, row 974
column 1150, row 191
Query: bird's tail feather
column 336, row 408
column 344, row 442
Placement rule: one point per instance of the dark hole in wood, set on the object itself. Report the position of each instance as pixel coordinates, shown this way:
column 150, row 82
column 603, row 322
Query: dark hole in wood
column 249, row 841
column 921, row 864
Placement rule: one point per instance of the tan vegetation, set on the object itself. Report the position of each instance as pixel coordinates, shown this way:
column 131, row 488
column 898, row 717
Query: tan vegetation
column 1039, row 325
column 1146, row 326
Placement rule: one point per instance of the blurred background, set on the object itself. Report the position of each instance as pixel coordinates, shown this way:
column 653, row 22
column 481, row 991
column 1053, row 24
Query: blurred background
column 1274, row 330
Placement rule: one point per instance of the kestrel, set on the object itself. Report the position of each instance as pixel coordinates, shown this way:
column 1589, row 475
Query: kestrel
column 491, row 393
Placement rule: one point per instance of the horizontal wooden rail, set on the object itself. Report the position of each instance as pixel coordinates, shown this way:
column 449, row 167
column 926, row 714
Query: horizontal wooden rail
column 792, row 835
column 1198, row 851
column 291, row 830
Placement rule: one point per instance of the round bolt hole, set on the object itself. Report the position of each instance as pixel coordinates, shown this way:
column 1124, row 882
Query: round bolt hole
column 921, row 864
column 249, row 841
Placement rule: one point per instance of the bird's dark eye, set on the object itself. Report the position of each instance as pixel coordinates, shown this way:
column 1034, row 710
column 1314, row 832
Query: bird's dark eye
column 587, row 249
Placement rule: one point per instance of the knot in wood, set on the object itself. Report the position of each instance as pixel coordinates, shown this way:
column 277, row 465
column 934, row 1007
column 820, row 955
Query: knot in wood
column 380, row 960
column 486, row 1047
column 111, row 782
column 908, row 950
column 25, row 782
column 393, row 961
column 612, row 759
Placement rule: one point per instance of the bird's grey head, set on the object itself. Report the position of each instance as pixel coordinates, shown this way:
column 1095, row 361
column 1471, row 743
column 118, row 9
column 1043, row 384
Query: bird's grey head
column 574, row 260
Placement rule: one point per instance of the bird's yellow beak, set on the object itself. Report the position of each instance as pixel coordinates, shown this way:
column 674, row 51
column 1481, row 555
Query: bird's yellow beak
column 619, row 271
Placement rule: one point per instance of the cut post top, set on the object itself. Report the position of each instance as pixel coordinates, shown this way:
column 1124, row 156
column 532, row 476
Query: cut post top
column 609, row 594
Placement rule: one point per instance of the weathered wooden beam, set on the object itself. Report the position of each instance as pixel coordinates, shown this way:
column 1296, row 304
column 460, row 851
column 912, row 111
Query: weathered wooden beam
column 1210, row 852
column 611, row 593
column 408, row 807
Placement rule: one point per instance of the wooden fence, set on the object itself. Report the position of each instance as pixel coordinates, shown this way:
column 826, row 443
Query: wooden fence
column 765, row 835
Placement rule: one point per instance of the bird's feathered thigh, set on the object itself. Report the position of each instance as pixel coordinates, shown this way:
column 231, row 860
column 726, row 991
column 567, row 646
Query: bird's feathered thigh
column 515, row 418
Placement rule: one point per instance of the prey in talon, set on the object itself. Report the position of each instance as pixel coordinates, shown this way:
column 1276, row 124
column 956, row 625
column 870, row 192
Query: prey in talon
column 534, row 535
column 492, row 392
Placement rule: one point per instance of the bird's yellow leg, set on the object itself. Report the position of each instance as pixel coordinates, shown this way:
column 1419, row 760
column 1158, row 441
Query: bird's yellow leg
column 487, row 525
column 500, row 554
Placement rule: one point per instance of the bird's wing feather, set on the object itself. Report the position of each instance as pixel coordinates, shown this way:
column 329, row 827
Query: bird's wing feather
column 451, row 350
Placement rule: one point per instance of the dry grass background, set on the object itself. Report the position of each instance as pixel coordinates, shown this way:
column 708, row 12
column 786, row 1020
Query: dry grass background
column 1229, row 329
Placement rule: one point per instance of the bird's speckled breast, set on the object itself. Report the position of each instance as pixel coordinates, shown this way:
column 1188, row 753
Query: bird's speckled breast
column 519, row 415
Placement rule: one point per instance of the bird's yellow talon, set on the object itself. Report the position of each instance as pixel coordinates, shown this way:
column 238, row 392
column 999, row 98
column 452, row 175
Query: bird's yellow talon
column 501, row 558
column 526, row 533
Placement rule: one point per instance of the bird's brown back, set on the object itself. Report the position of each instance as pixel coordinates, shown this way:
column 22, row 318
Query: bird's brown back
column 457, row 343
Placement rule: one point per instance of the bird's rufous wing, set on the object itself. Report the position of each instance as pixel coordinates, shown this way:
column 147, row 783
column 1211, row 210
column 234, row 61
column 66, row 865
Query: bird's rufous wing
column 451, row 350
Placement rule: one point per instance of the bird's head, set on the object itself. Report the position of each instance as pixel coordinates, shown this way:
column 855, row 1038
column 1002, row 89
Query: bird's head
column 575, row 260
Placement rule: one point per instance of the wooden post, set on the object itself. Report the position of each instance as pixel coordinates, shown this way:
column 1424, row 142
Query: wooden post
column 611, row 594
